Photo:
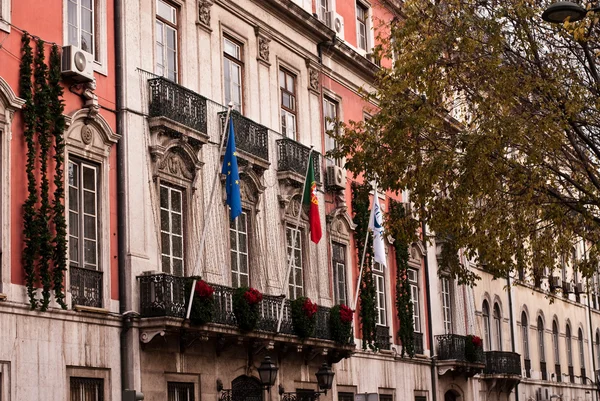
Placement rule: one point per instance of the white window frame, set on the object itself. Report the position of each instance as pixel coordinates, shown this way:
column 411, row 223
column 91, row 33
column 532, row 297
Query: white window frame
column 555, row 343
column 331, row 109
column 541, row 342
column 239, row 229
column 367, row 25
column 487, row 336
column 289, row 115
column 446, row 304
column 5, row 15
column 497, row 319
column 380, row 294
column 323, row 7
column 525, row 335
column 230, row 61
column 99, row 35
column 173, row 235
column 166, row 25
column 413, row 282
column 294, row 244
column 340, row 277
column 81, row 214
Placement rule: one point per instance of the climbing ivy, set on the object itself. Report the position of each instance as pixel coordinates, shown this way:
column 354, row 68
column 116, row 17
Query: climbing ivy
column 368, row 310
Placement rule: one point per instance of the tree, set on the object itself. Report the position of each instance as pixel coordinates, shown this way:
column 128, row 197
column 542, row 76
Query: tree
column 489, row 118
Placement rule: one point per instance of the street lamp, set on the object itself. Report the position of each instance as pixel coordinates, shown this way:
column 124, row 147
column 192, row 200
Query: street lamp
column 325, row 377
column 558, row 12
column 267, row 371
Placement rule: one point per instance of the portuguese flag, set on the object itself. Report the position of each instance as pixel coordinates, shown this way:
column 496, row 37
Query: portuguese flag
column 310, row 199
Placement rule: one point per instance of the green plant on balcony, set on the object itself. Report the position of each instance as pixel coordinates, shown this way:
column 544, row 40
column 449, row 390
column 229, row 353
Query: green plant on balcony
column 203, row 306
column 304, row 316
column 340, row 323
column 246, row 307
column 473, row 348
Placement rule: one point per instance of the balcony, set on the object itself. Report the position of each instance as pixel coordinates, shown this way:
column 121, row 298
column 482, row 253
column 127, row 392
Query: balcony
column 251, row 139
column 382, row 337
column 292, row 158
column 418, row 343
column 163, row 303
column 86, row 287
column 502, row 370
column 455, row 355
column 178, row 104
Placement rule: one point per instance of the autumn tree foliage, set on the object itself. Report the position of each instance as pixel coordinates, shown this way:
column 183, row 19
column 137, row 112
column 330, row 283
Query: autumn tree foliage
column 489, row 118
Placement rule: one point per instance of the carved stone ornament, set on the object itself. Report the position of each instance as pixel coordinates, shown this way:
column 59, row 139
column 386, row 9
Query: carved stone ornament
column 87, row 134
column 204, row 11
column 91, row 100
column 313, row 79
column 178, row 164
column 263, row 49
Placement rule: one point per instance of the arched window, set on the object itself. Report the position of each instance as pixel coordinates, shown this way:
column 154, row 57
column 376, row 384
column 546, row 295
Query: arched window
column 569, row 349
column 540, row 333
column 525, row 335
column 581, row 351
column 555, row 343
column 497, row 328
column 485, row 311
column 597, row 348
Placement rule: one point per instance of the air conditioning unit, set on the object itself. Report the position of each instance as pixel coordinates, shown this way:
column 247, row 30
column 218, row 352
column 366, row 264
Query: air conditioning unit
column 580, row 288
column 568, row 287
column 77, row 64
column 336, row 22
column 336, row 177
column 555, row 282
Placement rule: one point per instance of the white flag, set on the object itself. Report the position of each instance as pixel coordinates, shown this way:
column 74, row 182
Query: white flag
column 376, row 225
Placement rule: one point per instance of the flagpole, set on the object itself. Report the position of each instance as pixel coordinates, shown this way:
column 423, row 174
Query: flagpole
column 208, row 210
column 362, row 261
column 289, row 266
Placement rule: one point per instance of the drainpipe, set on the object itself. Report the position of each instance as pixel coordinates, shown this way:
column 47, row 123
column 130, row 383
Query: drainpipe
column 429, row 319
column 512, row 328
column 591, row 328
column 121, row 206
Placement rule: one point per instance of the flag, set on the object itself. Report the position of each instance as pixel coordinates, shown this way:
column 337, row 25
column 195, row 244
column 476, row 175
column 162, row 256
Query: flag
column 376, row 225
column 232, row 181
column 310, row 199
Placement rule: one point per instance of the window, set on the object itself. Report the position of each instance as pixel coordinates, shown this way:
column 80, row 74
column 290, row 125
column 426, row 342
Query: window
column 171, row 229
column 568, row 343
column 166, row 40
column 597, row 348
column 345, row 396
column 497, row 327
column 540, row 333
column 238, row 236
column 339, row 273
column 581, row 349
column 83, row 215
column 379, row 294
column 446, row 305
column 555, row 343
column 294, row 252
column 232, row 73
column 322, row 10
column 178, row 391
column 5, row 15
column 287, row 86
column 413, row 282
column 81, row 25
column 385, row 397
column 487, row 339
column 330, row 115
column 86, row 389
column 362, row 14
column 525, row 335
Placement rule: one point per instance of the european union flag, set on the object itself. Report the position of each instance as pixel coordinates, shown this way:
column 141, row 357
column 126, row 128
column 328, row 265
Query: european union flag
column 230, row 169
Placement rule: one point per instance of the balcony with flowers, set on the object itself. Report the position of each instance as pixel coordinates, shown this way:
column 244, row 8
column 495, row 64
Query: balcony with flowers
column 458, row 354
column 228, row 315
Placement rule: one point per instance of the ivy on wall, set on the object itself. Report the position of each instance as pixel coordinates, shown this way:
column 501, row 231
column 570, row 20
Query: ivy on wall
column 368, row 310
column 44, row 226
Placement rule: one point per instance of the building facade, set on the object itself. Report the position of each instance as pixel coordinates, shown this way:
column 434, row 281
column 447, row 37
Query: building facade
column 145, row 206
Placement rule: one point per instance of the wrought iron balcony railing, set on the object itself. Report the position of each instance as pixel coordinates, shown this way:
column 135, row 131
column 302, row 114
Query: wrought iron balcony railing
column 86, row 287
column 250, row 137
column 454, row 346
column 499, row 362
column 382, row 337
column 293, row 156
column 168, row 99
column 418, row 343
column 163, row 294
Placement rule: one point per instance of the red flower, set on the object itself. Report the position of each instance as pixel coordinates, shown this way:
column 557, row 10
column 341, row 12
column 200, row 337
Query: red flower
column 204, row 290
column 253, row 296
column 346, row 314
column 309, row 308
column 477, row 342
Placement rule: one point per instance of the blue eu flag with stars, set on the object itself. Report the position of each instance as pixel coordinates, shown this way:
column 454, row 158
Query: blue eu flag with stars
column 230, row 169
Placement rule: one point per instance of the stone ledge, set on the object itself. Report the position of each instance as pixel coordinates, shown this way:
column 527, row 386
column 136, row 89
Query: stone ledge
column 2, row 297
column 91, row 309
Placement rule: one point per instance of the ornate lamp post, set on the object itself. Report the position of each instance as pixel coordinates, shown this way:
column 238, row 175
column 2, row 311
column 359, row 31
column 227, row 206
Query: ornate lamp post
column 267, row 371
column 558, row 12
column 324, row 380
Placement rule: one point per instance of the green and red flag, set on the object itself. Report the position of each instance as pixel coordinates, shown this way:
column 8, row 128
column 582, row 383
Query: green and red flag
column 310, row 199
